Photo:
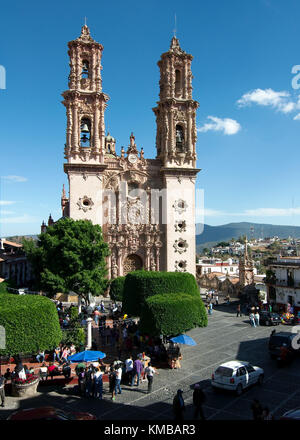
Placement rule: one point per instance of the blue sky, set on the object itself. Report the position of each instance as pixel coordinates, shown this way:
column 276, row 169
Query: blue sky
column 244, row 51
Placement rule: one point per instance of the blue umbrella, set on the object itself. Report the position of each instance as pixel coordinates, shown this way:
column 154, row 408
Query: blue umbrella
column 86, row 356
column 184, row 339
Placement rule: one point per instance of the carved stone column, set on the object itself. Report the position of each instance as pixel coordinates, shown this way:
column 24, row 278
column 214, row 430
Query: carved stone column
column 75, row 127
column 96, row 128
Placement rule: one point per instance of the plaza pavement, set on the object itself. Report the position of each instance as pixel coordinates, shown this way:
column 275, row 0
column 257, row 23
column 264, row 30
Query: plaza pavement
column 225, row 338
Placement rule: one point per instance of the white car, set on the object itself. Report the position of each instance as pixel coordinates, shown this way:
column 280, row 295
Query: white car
column 237, row 376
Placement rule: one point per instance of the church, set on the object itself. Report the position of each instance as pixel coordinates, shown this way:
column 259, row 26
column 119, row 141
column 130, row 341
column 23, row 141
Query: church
column 146, row 207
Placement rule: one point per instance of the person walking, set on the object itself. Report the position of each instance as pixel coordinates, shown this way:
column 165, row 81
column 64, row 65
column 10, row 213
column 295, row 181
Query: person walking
column 118, row 379
column 2, row 390
column 98, row 384
column 81, row 382
column 129, row 369
column 216, row 300
column 178, row 405
column 256, row 318
column 112, row 381
column 150, row 371
column 137, row 370
column 238, row 310
column 210, row 308
column 96, row 316
column 198, row 399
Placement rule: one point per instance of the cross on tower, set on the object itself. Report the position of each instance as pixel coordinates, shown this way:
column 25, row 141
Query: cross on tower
column 175, row 29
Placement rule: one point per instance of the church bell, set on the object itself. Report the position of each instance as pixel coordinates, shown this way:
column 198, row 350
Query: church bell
column 85, row 129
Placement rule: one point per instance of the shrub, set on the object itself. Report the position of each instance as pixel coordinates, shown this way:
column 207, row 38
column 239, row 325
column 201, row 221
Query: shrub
column 31, row 323
column 140, row 285
column 117, row 288
column 172, row 314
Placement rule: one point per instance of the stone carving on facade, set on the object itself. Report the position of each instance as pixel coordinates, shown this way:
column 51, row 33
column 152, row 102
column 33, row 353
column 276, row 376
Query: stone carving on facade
column 134, row 211
column 180, row 226
column 114, row 267
column 152, row 264
column 180, row 266
column 180, row 206
column 180, row 245
column 111, row 180
column 85, row 203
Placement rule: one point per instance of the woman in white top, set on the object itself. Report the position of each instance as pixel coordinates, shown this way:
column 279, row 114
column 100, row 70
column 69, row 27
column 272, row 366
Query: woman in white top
column 150, row 371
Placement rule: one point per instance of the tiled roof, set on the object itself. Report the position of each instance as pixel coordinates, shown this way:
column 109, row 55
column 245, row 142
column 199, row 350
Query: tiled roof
column 214, row 274
column 11, row 243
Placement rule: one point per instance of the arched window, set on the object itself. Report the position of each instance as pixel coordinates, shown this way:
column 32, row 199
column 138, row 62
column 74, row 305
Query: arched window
column 85, row 132
column 179, row 138
column 177, row 81
column 85, row 69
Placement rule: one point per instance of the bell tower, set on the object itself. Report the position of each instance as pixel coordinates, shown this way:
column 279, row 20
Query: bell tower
column 85, row 102
column 85, row 105
column 176, row 138
column 176, row 110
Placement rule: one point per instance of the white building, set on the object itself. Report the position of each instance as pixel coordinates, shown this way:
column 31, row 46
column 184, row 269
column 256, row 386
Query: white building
column 206, row 266
column 284, row 285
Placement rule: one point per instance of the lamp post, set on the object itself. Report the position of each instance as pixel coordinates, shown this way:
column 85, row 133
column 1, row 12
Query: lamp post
column 89, row 321
column 76, row 288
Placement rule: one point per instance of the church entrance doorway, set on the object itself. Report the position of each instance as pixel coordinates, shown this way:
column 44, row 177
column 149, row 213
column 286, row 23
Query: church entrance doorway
column 132, row 262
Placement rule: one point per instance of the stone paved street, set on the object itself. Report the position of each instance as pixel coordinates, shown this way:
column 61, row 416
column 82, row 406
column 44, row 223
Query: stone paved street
column 226, row 337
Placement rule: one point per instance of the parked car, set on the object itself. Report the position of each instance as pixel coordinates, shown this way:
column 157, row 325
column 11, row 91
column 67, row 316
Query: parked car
column 293, row 414
column 269, row 318
column 236, row 376
column 49, row 413
column 277, row 340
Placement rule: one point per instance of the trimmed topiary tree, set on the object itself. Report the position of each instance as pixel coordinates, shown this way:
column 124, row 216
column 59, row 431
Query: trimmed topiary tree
column 140, row 285
column 117, row 288
column 171, row 314
column 30, row 322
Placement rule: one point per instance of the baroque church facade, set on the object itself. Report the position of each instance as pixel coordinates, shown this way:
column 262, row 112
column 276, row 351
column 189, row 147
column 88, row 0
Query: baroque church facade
column 146, row 207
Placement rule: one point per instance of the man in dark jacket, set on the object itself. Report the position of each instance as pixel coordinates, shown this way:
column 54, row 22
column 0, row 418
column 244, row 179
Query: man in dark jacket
column 198, row 399
column 178, row 406
column 2, row 391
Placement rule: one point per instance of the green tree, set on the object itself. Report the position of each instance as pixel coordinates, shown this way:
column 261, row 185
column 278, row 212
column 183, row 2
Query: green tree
column 74, row 334
column 69, row 256
column 223, row 244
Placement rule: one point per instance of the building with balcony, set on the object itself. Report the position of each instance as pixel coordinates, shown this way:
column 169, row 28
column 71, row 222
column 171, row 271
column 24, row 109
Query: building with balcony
column 283, row 281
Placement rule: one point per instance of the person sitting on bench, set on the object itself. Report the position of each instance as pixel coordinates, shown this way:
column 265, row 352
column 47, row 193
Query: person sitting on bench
column 43, row 371
column 66, row 370
column 53, row 370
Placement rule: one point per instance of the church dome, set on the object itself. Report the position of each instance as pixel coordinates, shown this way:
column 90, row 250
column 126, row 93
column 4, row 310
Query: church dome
column 109, row 138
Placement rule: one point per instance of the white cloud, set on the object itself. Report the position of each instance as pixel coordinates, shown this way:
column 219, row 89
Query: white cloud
column 297, row 117
column 258, row 212
column 3, row 212
column 280, row 101
column 271, row 212
column 15, row 178
column 227, row 126
column 6, row 202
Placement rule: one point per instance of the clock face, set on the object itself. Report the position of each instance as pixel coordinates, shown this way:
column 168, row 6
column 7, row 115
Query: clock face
column 132, row 158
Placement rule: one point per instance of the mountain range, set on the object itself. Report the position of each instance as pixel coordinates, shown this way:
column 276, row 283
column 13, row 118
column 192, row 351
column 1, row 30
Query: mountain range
column 212, row 235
